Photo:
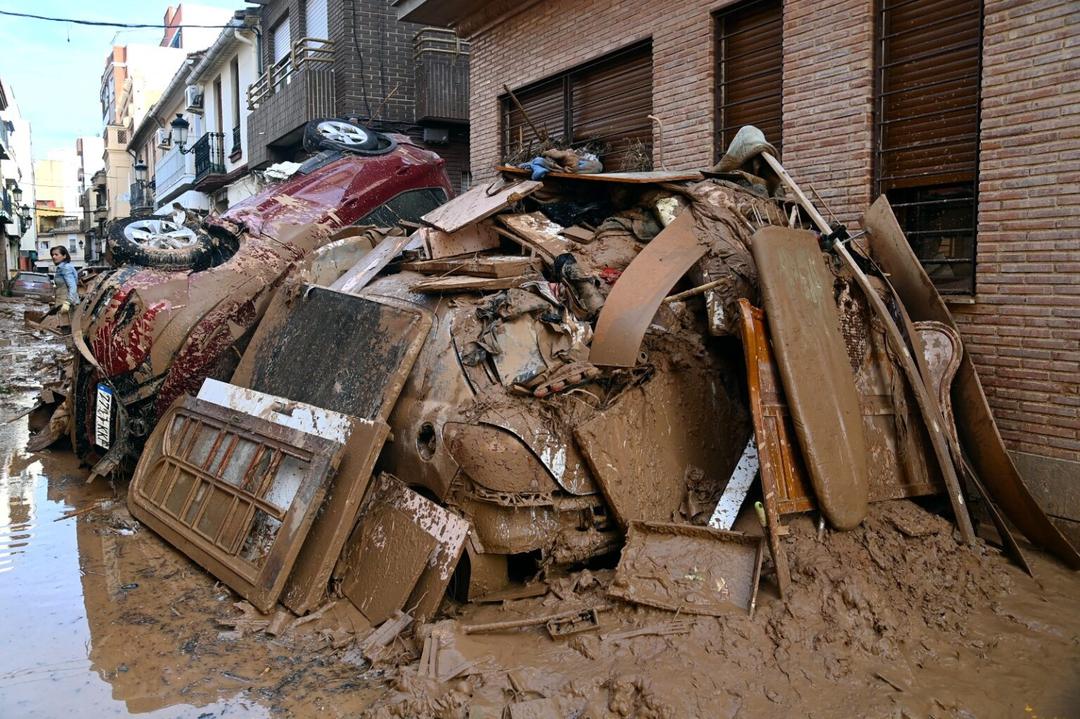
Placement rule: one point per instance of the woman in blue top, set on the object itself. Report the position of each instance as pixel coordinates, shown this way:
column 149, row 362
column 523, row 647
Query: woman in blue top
column 66, row 280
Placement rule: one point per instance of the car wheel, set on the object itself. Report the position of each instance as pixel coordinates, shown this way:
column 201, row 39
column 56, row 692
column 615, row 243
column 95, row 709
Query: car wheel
column 160, row 242
column 329, row 134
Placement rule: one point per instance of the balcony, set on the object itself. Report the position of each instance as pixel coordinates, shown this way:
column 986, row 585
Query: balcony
column 292, row 91
column 5, row 151
column 209, row 154
column 141, row 196
column 174, row 175
column 442, row 76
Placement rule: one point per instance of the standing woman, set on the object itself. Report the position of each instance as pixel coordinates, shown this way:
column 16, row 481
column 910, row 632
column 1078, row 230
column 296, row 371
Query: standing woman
column 66, row 280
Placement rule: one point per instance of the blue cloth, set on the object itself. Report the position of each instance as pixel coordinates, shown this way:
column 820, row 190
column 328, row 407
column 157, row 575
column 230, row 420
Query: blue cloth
column 538, row 166
column 66, row 274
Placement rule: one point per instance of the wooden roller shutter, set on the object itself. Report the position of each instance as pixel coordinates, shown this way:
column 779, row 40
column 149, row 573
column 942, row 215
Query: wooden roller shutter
column 928, row 94
column 604, row 103
column 611, row 102
column 750, row 71
column 927, row 130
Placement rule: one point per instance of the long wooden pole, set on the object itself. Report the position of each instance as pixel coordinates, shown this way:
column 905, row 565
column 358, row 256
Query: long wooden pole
column 927, row 402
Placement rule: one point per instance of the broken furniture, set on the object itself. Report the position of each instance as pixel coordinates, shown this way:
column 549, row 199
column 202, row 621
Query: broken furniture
column 234, row 492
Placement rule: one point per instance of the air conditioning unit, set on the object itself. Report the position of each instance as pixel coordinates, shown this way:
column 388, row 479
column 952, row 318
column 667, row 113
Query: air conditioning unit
column 163, row 138
column 193, row 94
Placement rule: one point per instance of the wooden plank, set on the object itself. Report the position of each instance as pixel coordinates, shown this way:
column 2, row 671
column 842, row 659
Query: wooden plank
column 447, row 285
column 536, row 232
column 639, row 291
column 634, row 178
column 466, row 241
column 479, row 203
column 482, row 266
column 371, row 264
column 579, row 234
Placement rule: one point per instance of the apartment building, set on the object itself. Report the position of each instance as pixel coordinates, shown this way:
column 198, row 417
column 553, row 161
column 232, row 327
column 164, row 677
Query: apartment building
column 354, row 59
column 962, row 112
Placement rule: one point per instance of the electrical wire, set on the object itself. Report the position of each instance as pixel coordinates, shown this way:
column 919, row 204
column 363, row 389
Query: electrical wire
column 102, row 23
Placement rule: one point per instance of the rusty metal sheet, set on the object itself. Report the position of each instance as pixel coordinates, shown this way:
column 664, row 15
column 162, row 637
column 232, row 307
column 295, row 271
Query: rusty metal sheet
column 640, row 289
column 641, row 449
column 448, row 530
column 337, row 351
column 235, row 493
column 688, row 569
column 479, row 203
column 804, row 326
column 975, row 424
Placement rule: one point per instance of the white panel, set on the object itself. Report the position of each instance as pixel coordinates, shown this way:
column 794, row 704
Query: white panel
column 297, row 415
column 315, row 22
column 282, row 34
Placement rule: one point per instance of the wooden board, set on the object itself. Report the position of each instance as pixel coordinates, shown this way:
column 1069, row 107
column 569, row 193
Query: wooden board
column 634, row 178
column 579, row 234
column 640, row 289
column 386, row 556
column 536, row 232
column 446, row 528
column 479, row 203
column 477, row 237
column 371, row 264
column 466, row 284
column 804, row 326
column 476, row 266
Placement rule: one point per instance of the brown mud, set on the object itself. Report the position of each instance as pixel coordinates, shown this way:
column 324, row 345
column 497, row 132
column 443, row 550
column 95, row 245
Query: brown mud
column 99, row 617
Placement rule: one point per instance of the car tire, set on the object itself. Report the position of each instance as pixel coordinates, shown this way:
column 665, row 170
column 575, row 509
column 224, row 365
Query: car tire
column 331, row 134
column 161, row 243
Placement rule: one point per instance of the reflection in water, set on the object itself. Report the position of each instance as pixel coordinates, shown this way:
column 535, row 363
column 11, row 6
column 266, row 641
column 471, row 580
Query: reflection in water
column 71, row 641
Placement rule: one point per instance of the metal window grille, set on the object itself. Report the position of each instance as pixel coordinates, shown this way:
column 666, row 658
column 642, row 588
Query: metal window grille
column 749, row 71
column 927, row 130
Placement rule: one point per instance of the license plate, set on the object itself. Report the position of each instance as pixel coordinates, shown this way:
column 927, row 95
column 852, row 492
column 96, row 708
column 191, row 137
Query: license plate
column 103, row 417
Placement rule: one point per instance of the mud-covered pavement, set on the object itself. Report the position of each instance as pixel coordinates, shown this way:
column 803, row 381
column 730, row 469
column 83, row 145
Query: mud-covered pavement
column 99, row 617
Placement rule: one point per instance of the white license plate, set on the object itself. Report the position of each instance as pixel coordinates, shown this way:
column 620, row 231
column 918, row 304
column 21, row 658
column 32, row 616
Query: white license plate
column 103, row 417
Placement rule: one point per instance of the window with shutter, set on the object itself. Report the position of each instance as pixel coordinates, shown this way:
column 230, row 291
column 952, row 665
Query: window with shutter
column 281, row 39
column 604, row 104
column 749, row 71
column 315, row 23
column 927, row 130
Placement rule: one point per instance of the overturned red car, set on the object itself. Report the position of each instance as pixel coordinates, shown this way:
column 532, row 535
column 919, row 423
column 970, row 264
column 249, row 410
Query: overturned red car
column 184, row 300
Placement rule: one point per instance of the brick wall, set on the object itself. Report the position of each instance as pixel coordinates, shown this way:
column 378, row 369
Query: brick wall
column 835, row 102
column 384, row 63
column 1024, row 331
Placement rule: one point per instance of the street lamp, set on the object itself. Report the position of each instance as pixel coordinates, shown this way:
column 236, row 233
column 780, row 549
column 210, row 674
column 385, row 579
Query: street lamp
column 140, row 171
column 16, row 194
column 179, row 132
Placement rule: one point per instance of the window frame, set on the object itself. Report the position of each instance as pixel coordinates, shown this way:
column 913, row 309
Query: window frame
column 902, row 207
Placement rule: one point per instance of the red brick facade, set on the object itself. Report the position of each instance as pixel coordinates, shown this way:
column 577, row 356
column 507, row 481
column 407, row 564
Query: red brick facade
column 1023, row 328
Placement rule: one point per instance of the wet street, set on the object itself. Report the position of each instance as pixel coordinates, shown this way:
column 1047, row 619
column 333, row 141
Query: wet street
column 102, row 618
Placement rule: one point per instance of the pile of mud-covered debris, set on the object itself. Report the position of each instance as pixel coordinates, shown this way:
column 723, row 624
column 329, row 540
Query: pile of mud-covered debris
column 649, row 373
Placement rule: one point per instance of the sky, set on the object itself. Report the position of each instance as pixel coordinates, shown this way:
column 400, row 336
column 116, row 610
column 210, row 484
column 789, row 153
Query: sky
column 54, row 69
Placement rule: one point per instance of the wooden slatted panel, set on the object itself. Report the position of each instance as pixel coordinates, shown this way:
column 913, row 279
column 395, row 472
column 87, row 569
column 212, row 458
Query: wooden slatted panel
column 750, row 71
column 611, row 103
column 545, row 106
column 928, row 94
column 927, row 130
column 606, row 101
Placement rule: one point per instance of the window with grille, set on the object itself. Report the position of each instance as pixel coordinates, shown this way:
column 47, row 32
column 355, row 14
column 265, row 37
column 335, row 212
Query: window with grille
column 749, row 71
column 603, row 105
column 927, row 130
